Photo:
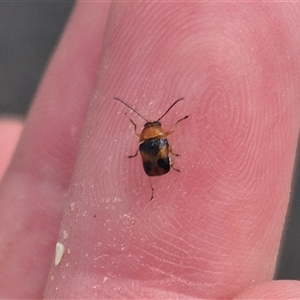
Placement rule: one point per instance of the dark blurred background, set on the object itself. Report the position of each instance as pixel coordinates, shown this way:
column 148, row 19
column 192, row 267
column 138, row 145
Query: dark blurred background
column 29, row 32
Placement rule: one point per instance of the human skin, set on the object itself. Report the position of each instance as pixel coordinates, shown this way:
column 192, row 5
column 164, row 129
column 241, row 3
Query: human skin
column 211, row 231
column 10, row 131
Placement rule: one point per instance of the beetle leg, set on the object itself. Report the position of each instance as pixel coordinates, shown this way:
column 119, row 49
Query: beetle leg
column 134, row 125
column 171, row 131
column 184, row 118
column 171, row 161
column 134, row 155
column 152, row 191
column 175, row 154
column 177, row 170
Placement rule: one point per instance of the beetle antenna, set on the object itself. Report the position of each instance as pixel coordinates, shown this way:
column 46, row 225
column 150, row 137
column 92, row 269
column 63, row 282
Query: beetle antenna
column 180, row 99
column 131, row 108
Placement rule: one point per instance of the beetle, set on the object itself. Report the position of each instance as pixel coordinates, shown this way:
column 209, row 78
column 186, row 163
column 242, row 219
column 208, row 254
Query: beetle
column 154, row 147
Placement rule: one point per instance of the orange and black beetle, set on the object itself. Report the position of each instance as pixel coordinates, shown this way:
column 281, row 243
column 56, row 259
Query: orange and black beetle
column 154, row 147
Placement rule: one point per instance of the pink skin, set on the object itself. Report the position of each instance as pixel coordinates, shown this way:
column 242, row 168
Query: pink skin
column 211, row 231
column 10, row 131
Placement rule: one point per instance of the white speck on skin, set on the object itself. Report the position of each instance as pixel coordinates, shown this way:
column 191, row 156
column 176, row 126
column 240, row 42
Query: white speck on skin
column 72, row 205
column 65, row 234
column 59, row 252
